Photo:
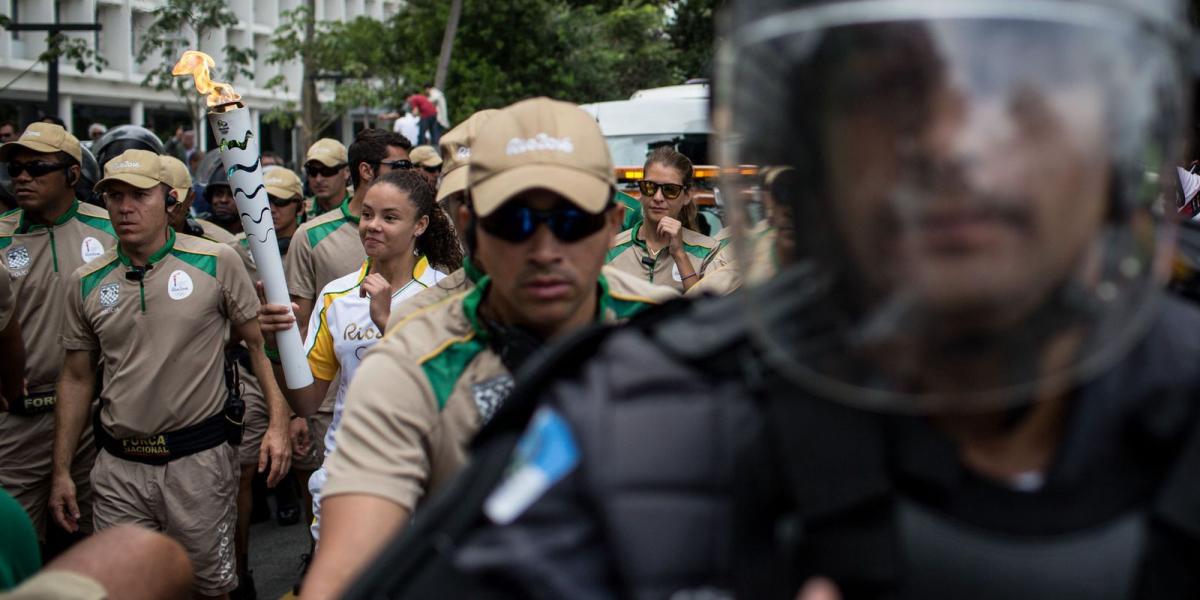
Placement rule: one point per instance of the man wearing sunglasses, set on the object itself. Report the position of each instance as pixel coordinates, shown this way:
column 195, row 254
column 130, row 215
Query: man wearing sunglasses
column 327, row 173
column 540, row 189
column 427, row 160
column 41, row 244
column 326, row 248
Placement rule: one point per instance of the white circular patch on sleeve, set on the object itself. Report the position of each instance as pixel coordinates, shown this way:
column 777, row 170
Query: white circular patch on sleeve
column 91, row 249
column 179, row 285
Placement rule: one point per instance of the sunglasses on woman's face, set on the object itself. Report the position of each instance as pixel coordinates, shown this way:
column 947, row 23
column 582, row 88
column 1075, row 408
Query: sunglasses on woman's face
column 516, row 222
column 670, row 191
column 432, row 170
column 35, row 168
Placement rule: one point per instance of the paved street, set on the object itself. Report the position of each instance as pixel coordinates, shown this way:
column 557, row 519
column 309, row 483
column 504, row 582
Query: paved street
column 275, row 556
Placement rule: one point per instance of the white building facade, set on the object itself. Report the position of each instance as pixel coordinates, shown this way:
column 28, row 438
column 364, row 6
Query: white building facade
column 115, row 95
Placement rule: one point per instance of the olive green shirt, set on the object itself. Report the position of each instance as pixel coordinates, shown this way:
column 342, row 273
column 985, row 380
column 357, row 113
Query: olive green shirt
column 162, row 341
column 40, row 261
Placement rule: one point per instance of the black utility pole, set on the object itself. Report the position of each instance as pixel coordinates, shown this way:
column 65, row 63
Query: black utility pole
column 53, row 29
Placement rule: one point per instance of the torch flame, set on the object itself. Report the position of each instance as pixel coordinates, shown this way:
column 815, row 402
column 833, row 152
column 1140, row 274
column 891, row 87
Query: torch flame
column 197, row 64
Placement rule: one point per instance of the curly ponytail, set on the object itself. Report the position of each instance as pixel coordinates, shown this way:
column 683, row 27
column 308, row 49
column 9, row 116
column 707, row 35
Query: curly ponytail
column 440, row 242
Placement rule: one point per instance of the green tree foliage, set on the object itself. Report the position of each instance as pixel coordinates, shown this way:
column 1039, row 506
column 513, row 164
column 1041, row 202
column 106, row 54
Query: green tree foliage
column 576, row 51
column 692, row 35
column 164, row 42
column 349, row 56
column 504, row 51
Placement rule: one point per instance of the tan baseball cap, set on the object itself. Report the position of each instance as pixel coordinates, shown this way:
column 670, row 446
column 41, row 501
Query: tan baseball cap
column 44, row 138
column 281, row 182
column 328, row 152
column 456, row 152
column 425, row 156
column 180, row 179
column 541, row 144
column 140, row 168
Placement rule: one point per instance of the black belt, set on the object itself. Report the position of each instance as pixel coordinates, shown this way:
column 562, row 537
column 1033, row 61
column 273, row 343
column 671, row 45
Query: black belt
column 163, row 448
column 33, row 404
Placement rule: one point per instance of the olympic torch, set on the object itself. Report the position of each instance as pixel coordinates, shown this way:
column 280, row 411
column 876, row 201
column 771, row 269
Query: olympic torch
column 230, row 122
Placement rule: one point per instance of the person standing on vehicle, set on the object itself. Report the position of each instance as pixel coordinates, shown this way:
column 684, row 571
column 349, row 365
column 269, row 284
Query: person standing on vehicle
column 155, row 313
column 427, row 128
column 543, row 219
column 50, row 235
column 664, row 247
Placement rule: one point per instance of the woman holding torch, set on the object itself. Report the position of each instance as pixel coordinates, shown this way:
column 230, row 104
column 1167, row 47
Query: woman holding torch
column 410, row 244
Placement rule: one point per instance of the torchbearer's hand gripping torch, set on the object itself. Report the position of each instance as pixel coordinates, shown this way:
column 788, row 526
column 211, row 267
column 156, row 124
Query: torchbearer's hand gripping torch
column 230, row 121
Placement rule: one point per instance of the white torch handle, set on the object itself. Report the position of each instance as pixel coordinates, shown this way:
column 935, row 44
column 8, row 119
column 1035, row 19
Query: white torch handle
column 241, row 160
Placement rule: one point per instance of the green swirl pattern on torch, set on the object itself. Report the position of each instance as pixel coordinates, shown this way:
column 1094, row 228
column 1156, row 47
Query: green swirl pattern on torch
column 227, row 144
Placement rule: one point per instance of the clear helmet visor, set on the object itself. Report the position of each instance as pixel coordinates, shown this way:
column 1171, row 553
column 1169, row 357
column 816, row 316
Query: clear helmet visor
column 970, row 194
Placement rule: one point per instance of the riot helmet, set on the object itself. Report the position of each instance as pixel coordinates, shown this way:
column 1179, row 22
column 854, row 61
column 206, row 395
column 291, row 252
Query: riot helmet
column 122, row 138
column 973, row 221
column 89, row 174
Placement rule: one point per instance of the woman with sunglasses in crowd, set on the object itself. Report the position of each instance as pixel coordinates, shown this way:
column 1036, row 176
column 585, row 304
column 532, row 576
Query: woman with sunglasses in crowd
column 410, row 245
column 665, row 247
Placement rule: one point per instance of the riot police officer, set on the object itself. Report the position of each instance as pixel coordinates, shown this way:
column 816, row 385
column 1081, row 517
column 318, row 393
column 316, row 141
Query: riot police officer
column 964, row 382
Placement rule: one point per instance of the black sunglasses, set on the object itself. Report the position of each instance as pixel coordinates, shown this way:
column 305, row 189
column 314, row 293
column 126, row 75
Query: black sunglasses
column 517, row 222
column 280, row 202
column 670, row 191
column 35, row 168
column 402, row 164
column 322, row 170
column 432, row 170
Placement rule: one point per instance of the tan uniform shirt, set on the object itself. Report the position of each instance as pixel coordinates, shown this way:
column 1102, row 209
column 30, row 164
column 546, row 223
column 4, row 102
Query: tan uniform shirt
column 40, row 261
column 629, row 248
column 161, row 342
column 322, row 250
column 421, row 394
column 216, row 233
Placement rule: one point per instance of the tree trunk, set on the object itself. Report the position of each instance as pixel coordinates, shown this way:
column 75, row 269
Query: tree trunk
column 310, row 107
column 439, row 79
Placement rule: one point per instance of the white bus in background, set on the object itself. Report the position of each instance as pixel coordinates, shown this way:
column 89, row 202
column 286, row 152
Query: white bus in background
column 674, row 116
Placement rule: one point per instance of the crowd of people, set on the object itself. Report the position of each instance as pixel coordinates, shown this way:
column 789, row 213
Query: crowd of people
column 929, row 356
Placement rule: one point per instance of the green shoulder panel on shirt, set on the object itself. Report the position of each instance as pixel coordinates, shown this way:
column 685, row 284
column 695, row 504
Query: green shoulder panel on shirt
column 95, row 221
column 633, row 209
column 444, row 370
column 621, row 243
column 204, row 262
column 698, row 251
column 90, row 280
column 5, row 241
column 322, row 231
column 622, row 306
